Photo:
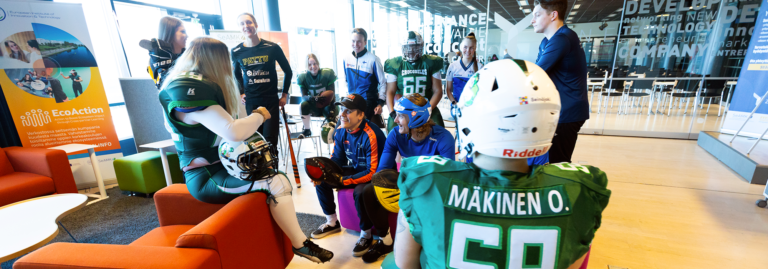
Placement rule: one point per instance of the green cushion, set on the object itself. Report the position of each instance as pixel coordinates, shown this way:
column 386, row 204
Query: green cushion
column 143, row 172
column 389, row 262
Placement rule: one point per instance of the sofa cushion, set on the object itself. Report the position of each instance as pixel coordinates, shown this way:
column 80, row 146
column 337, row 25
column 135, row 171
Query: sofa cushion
column 5, row 164
column 18, row 186
column 165, row 236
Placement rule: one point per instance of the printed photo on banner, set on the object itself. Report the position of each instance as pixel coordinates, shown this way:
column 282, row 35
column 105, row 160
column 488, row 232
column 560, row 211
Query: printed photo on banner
column 61, row 47
column 72, row 82
column 16, row 51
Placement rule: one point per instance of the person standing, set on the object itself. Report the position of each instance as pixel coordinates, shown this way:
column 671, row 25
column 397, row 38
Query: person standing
column 170, row 43
column 253, row 62
column 365, row 76
column 561, row 56
column 414, row 72
column 76, row 79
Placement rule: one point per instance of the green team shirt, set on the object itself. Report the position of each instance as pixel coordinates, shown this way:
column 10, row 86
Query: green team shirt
column 314, row 85
column 192, row 141
column 416, row 77
column 464, row 216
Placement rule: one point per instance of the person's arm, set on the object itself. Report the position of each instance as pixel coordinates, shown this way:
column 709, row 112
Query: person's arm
column 437, row 91
column 371, row 157
column 239, row 78
column 389, row 153
column 216, row 119
column 391, row 89
column 382, row 80
column 554, row 51
column 288, row 76
column 62, row 75
column 407, row 250
column 449, row 86
column 447, row 147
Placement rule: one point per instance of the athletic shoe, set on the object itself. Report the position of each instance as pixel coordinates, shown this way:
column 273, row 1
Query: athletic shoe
column 325, row 230
column 313, row 252
column 377, row 251
column 362, row 246
column 307, row 133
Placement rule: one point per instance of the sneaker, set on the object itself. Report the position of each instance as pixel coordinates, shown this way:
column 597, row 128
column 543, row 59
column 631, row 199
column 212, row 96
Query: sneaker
column 313, row 252
column 377, row 251
column 325, row 230
column 362, row 246
column 307, row 133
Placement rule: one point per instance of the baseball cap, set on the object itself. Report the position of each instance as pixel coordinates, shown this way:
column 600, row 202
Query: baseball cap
column 353, row 101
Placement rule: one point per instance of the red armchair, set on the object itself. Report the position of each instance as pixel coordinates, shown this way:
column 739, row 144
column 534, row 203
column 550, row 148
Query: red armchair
column 192, row 234
column 31, row 172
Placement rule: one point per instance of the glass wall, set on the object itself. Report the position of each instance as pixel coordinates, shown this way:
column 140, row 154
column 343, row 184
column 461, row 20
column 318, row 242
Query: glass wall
column 661, row 68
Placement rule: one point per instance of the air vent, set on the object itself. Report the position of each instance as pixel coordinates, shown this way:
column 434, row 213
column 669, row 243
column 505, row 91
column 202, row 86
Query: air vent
column 465, row 131
column 495, row 85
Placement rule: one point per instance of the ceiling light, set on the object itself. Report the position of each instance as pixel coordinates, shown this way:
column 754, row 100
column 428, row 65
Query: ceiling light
column 523, row 2
column 570, row 18
column 619, row 9
column 527, row 10
column 471, row 8
column 459, row 0
column 573, row 13
column 612, row 15
column 576, row 6
column 401, row 3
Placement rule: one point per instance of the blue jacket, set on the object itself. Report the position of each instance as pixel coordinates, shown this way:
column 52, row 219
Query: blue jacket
column 564, row 61
column 365, row 76
column 439, row 142
column 359, row 150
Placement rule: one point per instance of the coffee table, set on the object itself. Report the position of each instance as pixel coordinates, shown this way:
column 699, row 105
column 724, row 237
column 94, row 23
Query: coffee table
column 30, row 224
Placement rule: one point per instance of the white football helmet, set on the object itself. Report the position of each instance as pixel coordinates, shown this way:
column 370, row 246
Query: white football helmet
column 508, row 109
column 250, row 160
column 413, row 46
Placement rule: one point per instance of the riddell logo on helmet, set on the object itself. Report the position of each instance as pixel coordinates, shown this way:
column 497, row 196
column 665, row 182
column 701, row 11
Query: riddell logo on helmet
column 351, row 96
column 524, row 153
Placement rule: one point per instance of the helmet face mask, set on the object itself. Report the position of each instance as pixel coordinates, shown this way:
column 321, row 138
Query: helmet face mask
column 413, row 47
column 249, row 160
column 508, row 109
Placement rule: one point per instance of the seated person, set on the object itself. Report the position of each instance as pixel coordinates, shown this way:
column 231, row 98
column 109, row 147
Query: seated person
column 499, row 211
column 415, row 135
column 201, row 102
column 357, row 149
column 317, row 90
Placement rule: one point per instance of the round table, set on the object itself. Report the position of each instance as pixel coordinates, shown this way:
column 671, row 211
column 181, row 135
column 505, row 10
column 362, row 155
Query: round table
column 30, row 224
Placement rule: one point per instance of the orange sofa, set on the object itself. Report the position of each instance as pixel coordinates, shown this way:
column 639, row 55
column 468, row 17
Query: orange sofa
column 192, row 234
column 31, row 172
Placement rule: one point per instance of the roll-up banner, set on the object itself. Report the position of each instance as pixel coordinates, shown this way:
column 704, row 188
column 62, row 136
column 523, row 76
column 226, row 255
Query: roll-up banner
column 752, row 84
column 52, row 84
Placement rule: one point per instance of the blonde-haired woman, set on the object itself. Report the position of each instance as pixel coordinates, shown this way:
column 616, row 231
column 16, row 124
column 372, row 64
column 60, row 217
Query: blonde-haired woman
column 317, row 90
column 170, row 43
column 459, row 71
column 256, row 74
column 201, row 101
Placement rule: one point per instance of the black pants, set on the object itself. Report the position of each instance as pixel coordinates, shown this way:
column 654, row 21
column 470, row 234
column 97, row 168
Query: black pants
column 328, row 204
column 377, row 214
column 564, row 141
column 270, row 129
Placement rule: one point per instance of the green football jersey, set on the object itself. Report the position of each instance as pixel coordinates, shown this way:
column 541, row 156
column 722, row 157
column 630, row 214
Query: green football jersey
column 465, row 217
column 314, row 85
column 192, row 141
column 416, row 77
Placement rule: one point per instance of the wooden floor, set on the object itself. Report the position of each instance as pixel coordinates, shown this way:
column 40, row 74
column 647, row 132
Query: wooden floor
column 673, row 206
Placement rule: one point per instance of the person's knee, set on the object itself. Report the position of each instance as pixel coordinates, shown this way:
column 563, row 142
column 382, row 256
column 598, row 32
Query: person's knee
column 305, row 108
column 280, row 186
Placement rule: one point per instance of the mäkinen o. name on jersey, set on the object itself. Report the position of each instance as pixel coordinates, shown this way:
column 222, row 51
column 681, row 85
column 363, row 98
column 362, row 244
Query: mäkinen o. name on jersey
column 506, row 202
